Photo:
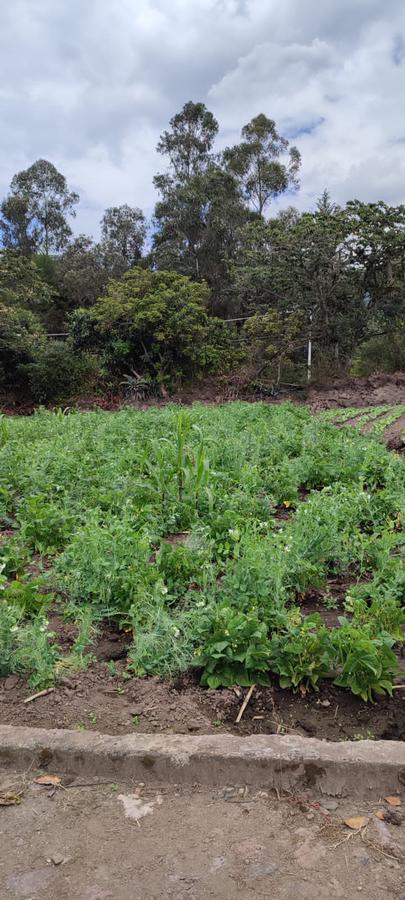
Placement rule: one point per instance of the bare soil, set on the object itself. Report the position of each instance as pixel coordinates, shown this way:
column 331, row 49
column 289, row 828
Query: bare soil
column 96, row 700
column 394, row 435
column 95, row 840
column 375, row 390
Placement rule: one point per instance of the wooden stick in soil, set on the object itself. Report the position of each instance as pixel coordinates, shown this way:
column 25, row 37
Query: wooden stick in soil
column 40, row 694
column 244, row 704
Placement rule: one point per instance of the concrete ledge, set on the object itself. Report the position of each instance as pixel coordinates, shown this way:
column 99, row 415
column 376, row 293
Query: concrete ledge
column 289, row 762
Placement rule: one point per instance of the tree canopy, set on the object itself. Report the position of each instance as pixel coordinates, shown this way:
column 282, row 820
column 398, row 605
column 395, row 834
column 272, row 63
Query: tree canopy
column 263, row 164
column 223, row 275
column 35, row 213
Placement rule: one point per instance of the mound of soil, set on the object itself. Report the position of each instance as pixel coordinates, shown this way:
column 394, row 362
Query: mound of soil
column 375, row 390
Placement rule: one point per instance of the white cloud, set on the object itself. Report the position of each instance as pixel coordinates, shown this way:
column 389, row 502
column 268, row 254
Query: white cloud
column 91, row 85
column 341, row 106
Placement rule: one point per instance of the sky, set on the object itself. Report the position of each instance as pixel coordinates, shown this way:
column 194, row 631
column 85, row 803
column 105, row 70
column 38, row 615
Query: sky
column 90, row 85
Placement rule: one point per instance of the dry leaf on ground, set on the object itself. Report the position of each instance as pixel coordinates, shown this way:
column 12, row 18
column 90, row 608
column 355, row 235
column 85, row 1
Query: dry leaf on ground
column 356, row 822
column 48, row 779
column 380, row 814
column 393, row 801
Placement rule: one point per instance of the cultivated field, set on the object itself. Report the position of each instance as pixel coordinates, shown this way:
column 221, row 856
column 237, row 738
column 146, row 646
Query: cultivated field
column 244, row 543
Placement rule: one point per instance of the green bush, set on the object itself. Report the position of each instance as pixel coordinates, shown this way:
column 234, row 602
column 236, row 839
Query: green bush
column 58, row 372
column 22, row 338
column 154, row 323
column 381, row 354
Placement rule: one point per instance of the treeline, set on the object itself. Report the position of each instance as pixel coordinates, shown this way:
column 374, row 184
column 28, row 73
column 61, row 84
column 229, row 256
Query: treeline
column 213, row 284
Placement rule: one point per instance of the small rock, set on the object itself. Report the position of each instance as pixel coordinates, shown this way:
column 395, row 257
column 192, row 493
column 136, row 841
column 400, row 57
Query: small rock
column 228, row 793
column 136, row 711
column 259, row 870
column 272, row 727
column 308, row 726
column 330, row 805
column 381, row 835
column 66, row 682
column 309, row 854
column 57, row 859
column 11, row 682
column 216, row 863
column 325, row 703
column 194, row 726
column 393, row 817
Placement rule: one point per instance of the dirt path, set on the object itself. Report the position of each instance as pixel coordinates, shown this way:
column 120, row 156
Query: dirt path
column 127, row 842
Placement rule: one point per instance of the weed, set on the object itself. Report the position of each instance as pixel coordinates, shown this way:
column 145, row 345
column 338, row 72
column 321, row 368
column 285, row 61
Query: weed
column 4, row 431
column 367, row 735
column 10, row 618
column 329, row 602
column 112, row 667
column 27, row 595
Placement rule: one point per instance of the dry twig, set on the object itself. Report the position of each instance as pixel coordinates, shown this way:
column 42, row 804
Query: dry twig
column 244, row 704
column 39, row 694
